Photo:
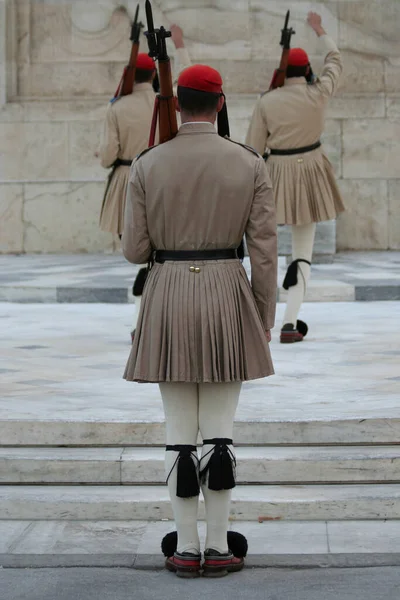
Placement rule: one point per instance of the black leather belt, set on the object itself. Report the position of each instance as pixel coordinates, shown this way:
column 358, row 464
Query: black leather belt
column 122, row 162
column 292, row 151
column 163, row 255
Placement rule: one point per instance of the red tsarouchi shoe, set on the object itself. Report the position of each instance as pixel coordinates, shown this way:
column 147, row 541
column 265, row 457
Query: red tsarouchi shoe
column 186, row 564
column 218, row 565
column 291, row 334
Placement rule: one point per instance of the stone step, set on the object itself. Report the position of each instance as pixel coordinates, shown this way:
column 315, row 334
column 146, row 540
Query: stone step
column 74, row 432
column 147, row 503
column 136, row 544
column 116, row 466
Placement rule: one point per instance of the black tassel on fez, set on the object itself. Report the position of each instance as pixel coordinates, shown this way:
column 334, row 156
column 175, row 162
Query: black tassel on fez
column 187, row 485
column 221, row 467
column 291, row 273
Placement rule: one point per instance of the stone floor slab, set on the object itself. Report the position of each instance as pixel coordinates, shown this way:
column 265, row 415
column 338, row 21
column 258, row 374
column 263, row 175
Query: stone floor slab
column 340, row 388
column 42, row 465
column 364, row 536
column 263, row 503
column 130, row 543
column 81, row 537
column 108, row 278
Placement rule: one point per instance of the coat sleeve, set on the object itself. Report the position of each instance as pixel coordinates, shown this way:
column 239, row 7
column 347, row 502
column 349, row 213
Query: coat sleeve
column 333, row 66
column 182, row 61
column 136, row 243
column 110, row 146
column 257, row 133
column 261, row 238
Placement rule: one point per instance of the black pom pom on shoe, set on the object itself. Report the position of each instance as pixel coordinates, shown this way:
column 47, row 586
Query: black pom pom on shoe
column 237, row 544
column 169, row 544
column 302, row 328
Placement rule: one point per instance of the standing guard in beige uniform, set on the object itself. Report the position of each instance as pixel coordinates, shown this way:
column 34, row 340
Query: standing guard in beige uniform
column 126, row 134
column 289, row 122
column 202, row 328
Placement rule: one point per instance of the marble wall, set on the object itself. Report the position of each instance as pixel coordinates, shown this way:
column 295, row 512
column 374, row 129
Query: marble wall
column 60, row 61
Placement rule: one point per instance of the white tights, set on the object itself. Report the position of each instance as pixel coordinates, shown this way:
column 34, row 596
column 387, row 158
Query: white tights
column 302, row 247
column 189, row 408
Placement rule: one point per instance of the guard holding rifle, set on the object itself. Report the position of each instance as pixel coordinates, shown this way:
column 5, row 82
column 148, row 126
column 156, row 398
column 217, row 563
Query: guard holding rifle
column 126, row 133
column 289, row 121
column 202, row 328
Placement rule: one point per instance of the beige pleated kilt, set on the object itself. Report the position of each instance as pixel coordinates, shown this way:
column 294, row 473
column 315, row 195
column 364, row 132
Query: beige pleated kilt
column 113, row 207
column 198, row 327
column 305, row 188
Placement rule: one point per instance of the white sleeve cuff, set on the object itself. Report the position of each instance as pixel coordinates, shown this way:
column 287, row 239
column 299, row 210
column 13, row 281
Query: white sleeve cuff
column 182, row 58
column 326, row 45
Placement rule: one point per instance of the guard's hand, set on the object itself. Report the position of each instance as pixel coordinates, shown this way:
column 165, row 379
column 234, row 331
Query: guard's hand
column 96, row 154
column 268, row 334
column 315, row 22
column 177, row 36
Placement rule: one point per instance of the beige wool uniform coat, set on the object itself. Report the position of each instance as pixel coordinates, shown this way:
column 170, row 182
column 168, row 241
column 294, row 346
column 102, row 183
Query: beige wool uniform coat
column 200, row 321
column 126, row 134
column 293, row 117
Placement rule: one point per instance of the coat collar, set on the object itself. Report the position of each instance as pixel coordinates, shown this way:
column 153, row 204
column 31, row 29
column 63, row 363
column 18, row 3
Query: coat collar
column 189, row 128
column 141, row 87
column 295, row 81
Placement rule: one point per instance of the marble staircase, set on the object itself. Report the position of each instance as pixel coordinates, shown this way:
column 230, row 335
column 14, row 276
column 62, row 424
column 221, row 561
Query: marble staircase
column 314, row 470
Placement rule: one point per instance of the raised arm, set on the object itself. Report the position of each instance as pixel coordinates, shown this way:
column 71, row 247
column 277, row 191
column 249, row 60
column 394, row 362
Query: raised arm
column 257, row 132
column 182, row 60
column 261, row 241
column 333, row 66
column 110, row 147
column 136, row 243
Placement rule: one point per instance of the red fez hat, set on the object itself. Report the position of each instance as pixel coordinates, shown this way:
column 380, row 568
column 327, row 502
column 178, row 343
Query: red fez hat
column 144, row 62
column 298, row 58
column 202, row 78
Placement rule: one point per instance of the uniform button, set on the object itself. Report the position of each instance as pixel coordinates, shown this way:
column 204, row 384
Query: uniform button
column 300, row 160
column 197, row 270
column 191, row 269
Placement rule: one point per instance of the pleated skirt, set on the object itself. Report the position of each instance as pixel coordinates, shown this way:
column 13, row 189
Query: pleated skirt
column 305, row 188
column 198, row 327
column 113, row 207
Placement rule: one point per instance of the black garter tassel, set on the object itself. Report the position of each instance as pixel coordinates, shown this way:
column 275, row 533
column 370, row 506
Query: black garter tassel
column 291, row 273
column 237, row 544
column 221, row 467
column 187, row 484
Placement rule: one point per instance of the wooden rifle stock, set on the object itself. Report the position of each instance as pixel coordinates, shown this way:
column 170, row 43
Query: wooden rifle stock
column 127, row 82
column 164, row 109
column 130, row 71
column 278, row 79
column 168, row 125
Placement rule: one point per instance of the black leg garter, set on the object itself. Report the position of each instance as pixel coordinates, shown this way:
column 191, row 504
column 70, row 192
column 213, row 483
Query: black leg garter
column 187, row 484
column 221, row 467
column 291, row 273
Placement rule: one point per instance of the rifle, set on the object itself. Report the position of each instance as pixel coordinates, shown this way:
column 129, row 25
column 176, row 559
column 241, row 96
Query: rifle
column 126, row 84
column 164, row 107
column 278, row 78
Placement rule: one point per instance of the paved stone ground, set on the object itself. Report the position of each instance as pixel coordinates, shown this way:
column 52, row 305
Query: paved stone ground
column 66, row 362
column 259, row 584
column 108, row 278
column 137, row 543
